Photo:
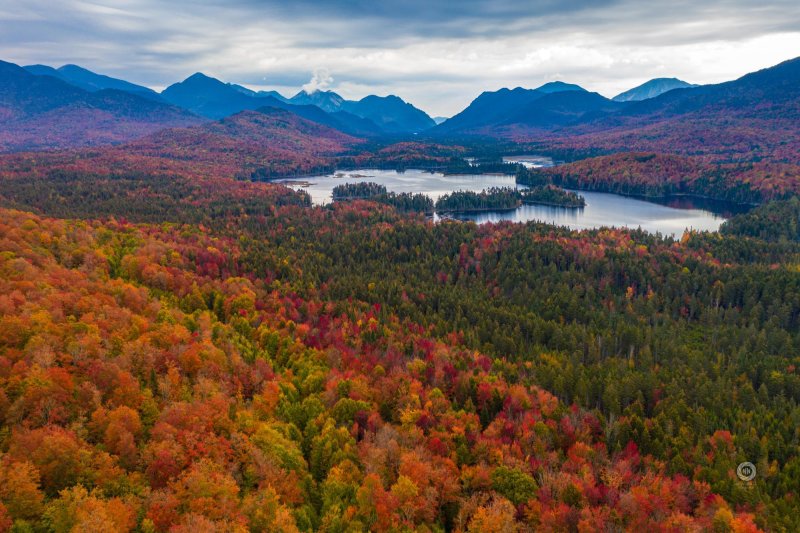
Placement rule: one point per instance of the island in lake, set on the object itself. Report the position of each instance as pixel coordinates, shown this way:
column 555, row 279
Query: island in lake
column 404, row 202
column 502, row 198
column 493, row 199
column 552, row 195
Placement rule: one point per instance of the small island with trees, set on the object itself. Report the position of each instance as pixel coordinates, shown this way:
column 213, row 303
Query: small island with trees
column 493, row 199
column 552, row 195
column 405, row 202
column 502, row 198
column 358, row 191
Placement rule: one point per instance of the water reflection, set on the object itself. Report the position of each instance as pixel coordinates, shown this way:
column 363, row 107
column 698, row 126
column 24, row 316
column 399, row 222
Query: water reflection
column 529, row 161
column 670, row 217
column 603, row 209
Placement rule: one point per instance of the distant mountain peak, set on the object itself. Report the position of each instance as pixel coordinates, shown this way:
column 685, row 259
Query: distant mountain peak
column 392, row 113
column 559, row 86
column 50, row 111
column 210, row 97
column 651, row 89
column 553, row 104
column 73, row 67
column 326, row 100
column 87, row 80
column 316, row 92
column 199, row 76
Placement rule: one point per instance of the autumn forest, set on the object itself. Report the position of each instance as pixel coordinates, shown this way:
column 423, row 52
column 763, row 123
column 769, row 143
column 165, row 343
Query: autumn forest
column 187, row 345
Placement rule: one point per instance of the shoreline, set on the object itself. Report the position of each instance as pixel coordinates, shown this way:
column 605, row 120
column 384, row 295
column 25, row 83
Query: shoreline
column 477, row 210
column 553, row 204
column 662, row 197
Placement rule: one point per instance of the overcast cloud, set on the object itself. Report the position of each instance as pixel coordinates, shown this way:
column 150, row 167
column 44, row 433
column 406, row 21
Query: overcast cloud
column 437, row 54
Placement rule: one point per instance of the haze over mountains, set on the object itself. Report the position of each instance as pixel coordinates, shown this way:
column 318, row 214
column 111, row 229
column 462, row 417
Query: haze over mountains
column 372, row 115
column 42, row 107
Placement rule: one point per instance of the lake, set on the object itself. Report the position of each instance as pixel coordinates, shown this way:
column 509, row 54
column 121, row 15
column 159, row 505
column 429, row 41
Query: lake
column 602, row 209
column 529, row 161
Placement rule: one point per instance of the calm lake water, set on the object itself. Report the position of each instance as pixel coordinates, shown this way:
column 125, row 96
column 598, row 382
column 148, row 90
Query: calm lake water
column 529, row 161
column 601, row 209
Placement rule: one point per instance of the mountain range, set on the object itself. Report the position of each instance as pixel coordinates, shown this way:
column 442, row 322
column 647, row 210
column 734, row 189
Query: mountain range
column 211, row 98
column 753, row 116
column 391, row 113
column 373, row 115
column 551, row 105
column 262, row 144
column 90, row 81
column 44, row 108
column 45, row 112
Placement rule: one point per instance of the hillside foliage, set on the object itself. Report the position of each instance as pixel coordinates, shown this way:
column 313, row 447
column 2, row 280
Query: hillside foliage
column 349, row 368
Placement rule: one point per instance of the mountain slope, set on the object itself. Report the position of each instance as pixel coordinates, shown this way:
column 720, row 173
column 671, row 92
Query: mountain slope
column 560, row 108
column 326, row 100
column 252, row 144
column 340, row 120
column 651, row 89
column 772, row 93
column 251, row 92
column 215, row 99
column 558, row 87
column 515, row 106
column 90, row 81
column 210, row 97
column 45, row 112
column 371, row 116
column 391, row 113
column 488, row 108
column 755, row 117
column 42, row 70
column 249, row 131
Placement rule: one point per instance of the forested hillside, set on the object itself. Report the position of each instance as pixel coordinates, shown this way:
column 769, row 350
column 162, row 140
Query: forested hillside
column 662, row 175
column 280, row 367
column 44, row 112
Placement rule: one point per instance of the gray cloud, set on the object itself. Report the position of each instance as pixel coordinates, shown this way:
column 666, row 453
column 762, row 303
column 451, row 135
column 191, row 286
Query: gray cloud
column 437, row 54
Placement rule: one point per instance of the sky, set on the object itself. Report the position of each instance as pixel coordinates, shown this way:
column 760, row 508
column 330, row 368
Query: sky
column 439, row 55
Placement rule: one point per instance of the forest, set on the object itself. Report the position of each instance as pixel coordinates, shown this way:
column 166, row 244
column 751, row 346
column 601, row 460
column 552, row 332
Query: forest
column 658, row 175
column 552, row 195
column 775, row 221
column 355, row 191
column 405, row 202
column 228, row 357
column 489, row 199
column 188, row 344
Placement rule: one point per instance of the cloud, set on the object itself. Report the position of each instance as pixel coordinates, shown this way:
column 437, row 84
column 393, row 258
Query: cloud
column 320, row 81
column 437, row 54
